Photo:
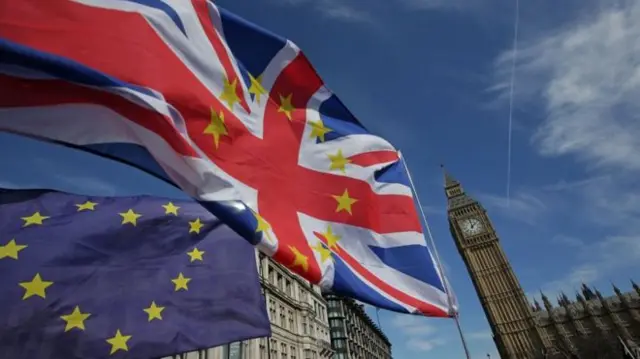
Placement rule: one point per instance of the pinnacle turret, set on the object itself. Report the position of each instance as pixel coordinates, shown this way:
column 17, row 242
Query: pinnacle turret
column 545, row 301
column 537, row 305
column 598, row 294
column 449, row 181
column 587, row 292
column 635, row 286
column 616, row 290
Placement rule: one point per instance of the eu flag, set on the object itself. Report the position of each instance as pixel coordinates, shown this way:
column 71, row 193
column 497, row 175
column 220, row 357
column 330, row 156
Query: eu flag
column 128, row 277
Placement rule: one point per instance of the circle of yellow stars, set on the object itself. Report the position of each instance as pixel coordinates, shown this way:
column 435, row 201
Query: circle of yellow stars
column 37, row 287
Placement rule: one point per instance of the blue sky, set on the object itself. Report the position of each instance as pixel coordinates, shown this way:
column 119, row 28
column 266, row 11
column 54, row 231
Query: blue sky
column 431, row 76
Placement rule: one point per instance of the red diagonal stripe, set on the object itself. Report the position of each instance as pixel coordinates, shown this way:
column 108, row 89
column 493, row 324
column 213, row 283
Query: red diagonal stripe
column 373, row 158
column 20, row 92
column 130, row 51
column 216, row 41
column 425, row 308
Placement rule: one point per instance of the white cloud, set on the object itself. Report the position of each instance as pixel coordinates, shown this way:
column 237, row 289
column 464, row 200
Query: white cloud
column 411, row 324
column 457, row 5
column 568, row 240
column 418, row 332
column 588, row 76
column 344, row 10
column 480, row 335
column 523, row 206
column 340, row 11
column 595, row 262
column 424, row 345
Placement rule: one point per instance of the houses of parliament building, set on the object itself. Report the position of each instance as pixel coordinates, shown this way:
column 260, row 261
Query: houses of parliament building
column 590, row 326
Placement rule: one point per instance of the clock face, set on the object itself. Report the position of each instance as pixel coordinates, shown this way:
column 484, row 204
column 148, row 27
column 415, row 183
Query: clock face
column 471, row 226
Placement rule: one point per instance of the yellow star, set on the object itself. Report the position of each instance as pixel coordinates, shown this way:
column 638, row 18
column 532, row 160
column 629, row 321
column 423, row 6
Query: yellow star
column 263, row 226
column 299, row 259
column 88, row 205
column 11, row 249
column 75, row 319
column 154, row 311
column 119, row 342
column 229, row 94
column 195, row 226
column 35, row 218
column 285, row 106
column 130, row 217
column 318, row 130
column 345, row 202
column 170, row 208
column 181, row 282
column 36, row 287
column 196, row 254
column 216, row 127
column 256, row 87
column 338, row 161
column 323, row 251
column 331, row 238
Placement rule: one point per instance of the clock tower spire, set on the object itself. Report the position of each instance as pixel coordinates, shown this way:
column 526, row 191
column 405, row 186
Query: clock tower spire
column 506, row 307
column 456, row 197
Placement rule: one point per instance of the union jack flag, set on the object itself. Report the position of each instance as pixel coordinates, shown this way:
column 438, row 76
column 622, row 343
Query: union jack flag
column 237, row 118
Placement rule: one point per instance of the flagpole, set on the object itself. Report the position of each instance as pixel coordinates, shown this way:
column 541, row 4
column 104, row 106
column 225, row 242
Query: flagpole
column 437, row 258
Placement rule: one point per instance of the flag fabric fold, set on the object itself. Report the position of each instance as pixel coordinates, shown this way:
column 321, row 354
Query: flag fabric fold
column 128, row 277
column 236, row 117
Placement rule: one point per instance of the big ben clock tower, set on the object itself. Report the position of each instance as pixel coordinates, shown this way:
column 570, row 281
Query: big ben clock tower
column 505, row 305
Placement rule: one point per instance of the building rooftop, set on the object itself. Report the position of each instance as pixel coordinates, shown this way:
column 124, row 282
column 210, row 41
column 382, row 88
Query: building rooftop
column 586, row 297
column 359, row 310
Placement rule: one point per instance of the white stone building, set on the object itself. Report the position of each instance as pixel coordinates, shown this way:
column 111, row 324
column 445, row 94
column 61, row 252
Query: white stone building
column 299, row 322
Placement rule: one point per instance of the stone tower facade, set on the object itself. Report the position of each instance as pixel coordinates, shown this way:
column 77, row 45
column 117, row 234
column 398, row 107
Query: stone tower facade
column 507, row 309
column 591, row 327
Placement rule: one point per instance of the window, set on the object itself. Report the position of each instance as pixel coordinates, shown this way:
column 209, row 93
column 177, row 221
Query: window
column 233, row 351
column 271, row 275
column 293, row 352
column 283, row 351
column 272, row 310
column 274, row 348
column 291, row 323
column 304, row 325
column 288, row 287
column 279, row 282
column 263, row 349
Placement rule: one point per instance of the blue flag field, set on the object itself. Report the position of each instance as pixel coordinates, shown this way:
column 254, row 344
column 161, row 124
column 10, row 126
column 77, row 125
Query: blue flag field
column 127, row 277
